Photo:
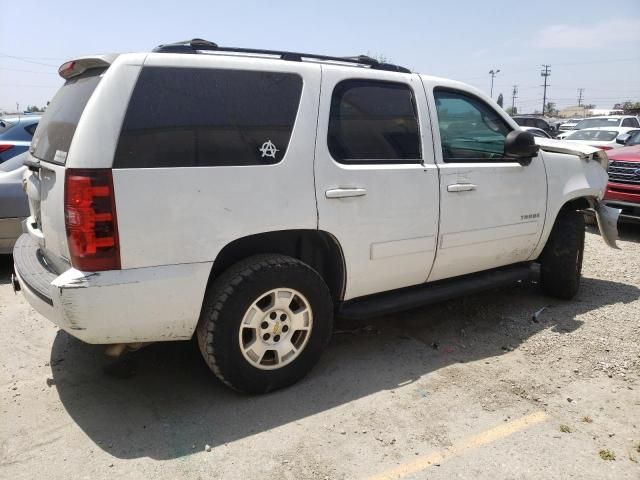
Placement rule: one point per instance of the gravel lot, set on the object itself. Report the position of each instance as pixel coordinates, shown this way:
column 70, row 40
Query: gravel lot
column 471, row 388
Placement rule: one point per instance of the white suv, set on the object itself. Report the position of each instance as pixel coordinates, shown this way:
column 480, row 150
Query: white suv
column 248, row 196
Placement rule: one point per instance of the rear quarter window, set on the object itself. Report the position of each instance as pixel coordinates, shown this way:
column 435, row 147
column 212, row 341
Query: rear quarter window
column 190, row 117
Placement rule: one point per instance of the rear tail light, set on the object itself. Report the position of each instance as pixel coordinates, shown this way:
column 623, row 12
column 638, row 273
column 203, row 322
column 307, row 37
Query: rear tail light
column 90, row 219
column 4, row 147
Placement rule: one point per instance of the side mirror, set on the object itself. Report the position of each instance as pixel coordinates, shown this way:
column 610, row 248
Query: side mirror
column 623, row 138
column 520, row 145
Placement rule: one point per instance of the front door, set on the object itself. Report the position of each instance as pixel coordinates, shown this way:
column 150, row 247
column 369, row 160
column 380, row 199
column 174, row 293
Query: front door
column 492, row 208
column 376, row 179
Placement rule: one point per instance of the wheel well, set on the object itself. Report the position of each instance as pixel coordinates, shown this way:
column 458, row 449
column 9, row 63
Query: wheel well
column 318, row 249
column 581, row 203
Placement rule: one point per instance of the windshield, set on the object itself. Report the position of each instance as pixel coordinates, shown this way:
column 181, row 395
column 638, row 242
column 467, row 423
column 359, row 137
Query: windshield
column 594, row 135
column 598, row 122
column 55, row 131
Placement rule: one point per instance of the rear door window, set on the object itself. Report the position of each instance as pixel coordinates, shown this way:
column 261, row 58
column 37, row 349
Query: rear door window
column 193, row 117
column 58, row 125
column 373, row 122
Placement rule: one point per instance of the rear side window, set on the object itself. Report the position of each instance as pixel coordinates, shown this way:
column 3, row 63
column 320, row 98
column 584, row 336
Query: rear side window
column 58, row 125
column 190, row 117
column 630, row 122
column 31, row 129
column 373, row 122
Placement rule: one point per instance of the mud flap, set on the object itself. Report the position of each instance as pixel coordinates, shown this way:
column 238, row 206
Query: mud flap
column 608, row 223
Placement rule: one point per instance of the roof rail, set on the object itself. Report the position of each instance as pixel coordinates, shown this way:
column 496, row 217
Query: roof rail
column 198, row 44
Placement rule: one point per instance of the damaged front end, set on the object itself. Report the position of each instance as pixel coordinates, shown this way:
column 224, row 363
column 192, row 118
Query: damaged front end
column 607, row 218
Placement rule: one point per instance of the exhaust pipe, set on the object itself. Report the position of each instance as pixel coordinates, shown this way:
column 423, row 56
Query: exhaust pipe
column 115, row 350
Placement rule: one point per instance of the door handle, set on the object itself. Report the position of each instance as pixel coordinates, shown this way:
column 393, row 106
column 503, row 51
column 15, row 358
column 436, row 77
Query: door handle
column 461, row 187
column 345, row 192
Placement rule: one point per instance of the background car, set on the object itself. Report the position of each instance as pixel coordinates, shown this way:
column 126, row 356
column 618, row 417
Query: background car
column 537, row 132
column 609, row 121
column 600, row 137
column 569, row 124
column 536, row 122
column 14, row 205
column 623, row 189
column 16, row 134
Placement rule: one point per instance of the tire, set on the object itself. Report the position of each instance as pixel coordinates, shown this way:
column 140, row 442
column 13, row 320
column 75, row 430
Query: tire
column 241, row 339
column 561, row 259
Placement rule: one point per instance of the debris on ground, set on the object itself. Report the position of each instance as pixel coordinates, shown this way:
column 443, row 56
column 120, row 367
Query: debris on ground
column 535, row 317
column 565, row 428
column 607, row 454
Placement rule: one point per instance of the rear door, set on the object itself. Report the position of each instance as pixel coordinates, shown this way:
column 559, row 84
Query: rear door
column 492, row 208
column 376, row 179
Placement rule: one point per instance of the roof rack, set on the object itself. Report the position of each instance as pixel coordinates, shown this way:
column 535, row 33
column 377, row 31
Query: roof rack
column 197, row 44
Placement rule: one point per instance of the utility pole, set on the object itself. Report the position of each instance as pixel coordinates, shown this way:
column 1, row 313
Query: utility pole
column 580, row 91
column 493, row 74
column 514, row 95
column 545, row 73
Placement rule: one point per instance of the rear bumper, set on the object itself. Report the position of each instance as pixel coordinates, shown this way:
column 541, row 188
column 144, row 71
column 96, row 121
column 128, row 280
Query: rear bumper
column 119, row 306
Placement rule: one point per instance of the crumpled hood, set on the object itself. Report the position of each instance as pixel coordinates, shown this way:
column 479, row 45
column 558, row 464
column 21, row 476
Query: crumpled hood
column 585, row 152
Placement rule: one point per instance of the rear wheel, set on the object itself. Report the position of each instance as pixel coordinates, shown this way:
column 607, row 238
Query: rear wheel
column 561, row 259
column 265, row 322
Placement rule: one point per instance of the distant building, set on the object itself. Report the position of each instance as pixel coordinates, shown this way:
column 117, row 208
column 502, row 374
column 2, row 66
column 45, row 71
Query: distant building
column 578, row 111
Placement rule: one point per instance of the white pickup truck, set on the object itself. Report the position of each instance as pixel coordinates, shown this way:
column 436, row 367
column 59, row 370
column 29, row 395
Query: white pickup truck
column 249, row 196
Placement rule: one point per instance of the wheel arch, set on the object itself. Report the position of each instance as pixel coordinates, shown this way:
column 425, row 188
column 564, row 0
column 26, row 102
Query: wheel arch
column 317, row 248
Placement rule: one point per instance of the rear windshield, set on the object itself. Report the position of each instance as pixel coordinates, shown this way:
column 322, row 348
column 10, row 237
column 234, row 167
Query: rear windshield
column 595, row 135
column 598, row 122
column 55, row 131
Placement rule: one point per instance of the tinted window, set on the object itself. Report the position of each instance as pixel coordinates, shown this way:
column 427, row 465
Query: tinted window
column 630, row 122
column 470, row 130
column 183, row 117
column 541, row 124
column 31, row 129
column 372, row 122
column 634, row 139
column 57, row 126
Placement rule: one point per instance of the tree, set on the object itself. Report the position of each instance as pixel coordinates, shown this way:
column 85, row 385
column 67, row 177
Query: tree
column 512, row 111
column 550, row 109
column 34, row 109
column 500, row 99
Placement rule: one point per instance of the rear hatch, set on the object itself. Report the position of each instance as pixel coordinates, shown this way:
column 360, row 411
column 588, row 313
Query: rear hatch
column 45, row 181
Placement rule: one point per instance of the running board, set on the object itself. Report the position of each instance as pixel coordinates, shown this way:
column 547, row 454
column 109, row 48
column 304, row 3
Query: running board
column 428, row 293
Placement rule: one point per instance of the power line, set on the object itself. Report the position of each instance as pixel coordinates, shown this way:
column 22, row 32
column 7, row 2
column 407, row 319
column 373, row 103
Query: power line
column 27, row 71
column 545, row 73
column 23, row 59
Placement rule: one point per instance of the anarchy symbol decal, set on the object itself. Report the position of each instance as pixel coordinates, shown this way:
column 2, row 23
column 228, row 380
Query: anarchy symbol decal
column 268, row 149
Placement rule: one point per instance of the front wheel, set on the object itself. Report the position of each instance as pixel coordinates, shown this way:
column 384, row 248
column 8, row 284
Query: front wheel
column 265, row 322
column 561, row 259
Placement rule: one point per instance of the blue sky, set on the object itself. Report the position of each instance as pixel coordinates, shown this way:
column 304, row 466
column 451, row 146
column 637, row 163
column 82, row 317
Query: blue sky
column 593, row 45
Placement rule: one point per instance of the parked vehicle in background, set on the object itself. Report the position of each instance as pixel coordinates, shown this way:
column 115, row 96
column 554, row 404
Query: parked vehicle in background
column 628, row 121
column 16, row 134
column 569, row 124
column 535, row 122
column 537, row 132
column 14, row 206
column 600, row 137
column 623, row 189
column 303, row 190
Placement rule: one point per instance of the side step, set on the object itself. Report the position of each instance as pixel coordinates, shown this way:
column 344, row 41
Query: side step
column 425, row 294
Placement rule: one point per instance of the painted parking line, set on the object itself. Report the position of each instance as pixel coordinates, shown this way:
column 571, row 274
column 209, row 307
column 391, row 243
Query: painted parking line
column 489, row 436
